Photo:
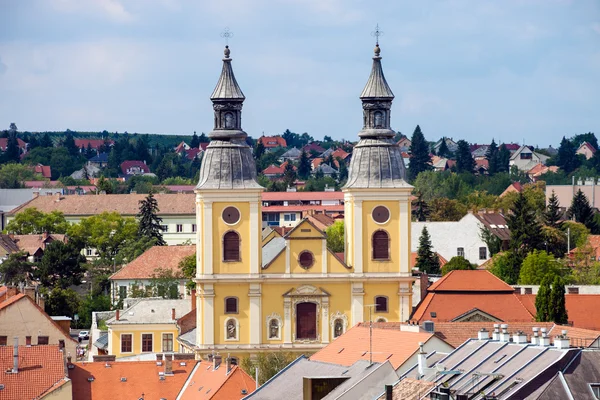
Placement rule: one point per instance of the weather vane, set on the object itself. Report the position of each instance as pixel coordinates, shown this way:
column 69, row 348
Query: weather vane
column 226, row 34
column 376, row 33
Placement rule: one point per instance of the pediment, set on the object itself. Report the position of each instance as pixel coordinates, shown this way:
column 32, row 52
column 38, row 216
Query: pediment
column 306, row 291
column 476, row 315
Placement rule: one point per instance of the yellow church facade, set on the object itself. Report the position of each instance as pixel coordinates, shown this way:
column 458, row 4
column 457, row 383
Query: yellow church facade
column 293, row 293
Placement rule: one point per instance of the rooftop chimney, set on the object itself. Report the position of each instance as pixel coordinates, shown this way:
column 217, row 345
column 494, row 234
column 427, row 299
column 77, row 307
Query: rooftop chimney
column 118, row 315
column 422, row 360
column 483, row 334
column 544, row 340
column 228, row 364
column 519, row 337
column 534, row 338
column 504, row 335
column 389, row 390
column 193, row 297
column 168, row 364
column 173, row 314
column 562, row 341
column 496, row 333
column 16, row 356
column 216, row 361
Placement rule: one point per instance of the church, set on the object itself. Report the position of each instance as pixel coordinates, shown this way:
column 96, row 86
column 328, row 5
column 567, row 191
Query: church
column 292, row 293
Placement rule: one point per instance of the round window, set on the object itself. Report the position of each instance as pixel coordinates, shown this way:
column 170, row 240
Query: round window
column 381, row 214
column 306, row 259
column 231, row 215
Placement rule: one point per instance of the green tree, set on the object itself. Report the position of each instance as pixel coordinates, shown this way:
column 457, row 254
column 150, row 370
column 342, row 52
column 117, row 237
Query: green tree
column 268, row 364
column 493, row 242
column 61, row 266
column 289, row 175
column 69, row 144
column 259, row 150
column 187, row 266
column 165, row 283
column 419, row 155
column 457, row 263
column 335, row 237
column 567, row 158
column 304, row 167
column 557, row 310
column 492, row 155
column 525, row 230
column 62, row 302
column 89, row 304
column 12, row 152
column 103, row 185
column 582, row 212
column 32, row 221
column 427, row 260
column 421, row 211
column 15, row 269
column 444, row 151
column 464, row 159
column 443, row 209
column 149, row 221
column 589, row 137
column 46, row 141
column 503, row 158
column 542, row 302
column 536, row 266
column 133, row 248
column 552, row 214
column 12, row 175
column 195, row 142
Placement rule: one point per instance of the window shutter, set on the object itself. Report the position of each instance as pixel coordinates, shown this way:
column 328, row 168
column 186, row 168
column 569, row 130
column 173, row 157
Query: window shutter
column 231, row 247
column 380, row 245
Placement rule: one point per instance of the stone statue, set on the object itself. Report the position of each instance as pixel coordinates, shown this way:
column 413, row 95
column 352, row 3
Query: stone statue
column 273, row 329
column 378, row 119
column 231, row 333
column 338, row 328
column 229, row 121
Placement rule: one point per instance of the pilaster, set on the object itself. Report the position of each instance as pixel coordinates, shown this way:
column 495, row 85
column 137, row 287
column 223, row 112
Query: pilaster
column 287, row 321
column 255, row 313
column 287, row 257
column 325, row 320
column 199, row 243
column 358, row 294
column 199, row 318
column 209, row 314
column 255, row 248
column 404, row 255
column 405, row 300
column 358, row 237
column 325, row 254
column 208, row 237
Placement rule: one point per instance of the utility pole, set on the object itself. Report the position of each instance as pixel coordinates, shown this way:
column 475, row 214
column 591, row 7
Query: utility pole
column 371, row 332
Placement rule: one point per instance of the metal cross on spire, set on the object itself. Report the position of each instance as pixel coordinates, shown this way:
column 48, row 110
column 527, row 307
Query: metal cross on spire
column 226, row 34
column 376, row 33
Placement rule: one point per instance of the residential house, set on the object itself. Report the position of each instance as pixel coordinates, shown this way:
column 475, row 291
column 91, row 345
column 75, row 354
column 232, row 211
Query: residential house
column 100, row 160
column 13, row 198
column 274, row 171
column 106, row 379
column 479, row 151
column 272, row 142
column 44, row 170
column 400, row 346
column 94, row 144
column 451, row 144
column 194, row 153
column 291, row 155
column 88, row 171
column 308, row 379
column 539, row 170
column 148, row 326
column 7, row 246
column 463, row 237
column 590, row 251
column 471, row 295
column 134, row 167
column 514, row 187
column 586, row 150
column 525, row 158
column 315, row 162
column 441, row 163
column 404, row 144
column 482, row 166
column 313, row 148
column 20, row 144
column 157, row 260
column 288, row 208
column 35, row 245
column 493, row 368
column 182, row 147
column 21, row 317
column 579, row 380
column 405, row 158
column 34, row 372
column 326, row 170
column 589, row 187
column 414, row 257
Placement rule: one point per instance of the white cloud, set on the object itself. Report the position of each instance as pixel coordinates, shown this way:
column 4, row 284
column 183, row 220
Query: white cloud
column 111, row 9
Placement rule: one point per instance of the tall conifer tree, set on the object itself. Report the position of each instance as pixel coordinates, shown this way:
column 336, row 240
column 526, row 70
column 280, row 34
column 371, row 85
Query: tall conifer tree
column 464, row 159
column 150, row 222
column 557, row 310
column 503, row 158
column 542, row 302
column 567, row 158
column 492, row 156
column 419, row 155
column 552, row 213
column 427, row 259
column 582, row 212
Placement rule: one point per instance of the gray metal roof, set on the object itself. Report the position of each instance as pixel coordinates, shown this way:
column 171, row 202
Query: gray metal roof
column 188, row 338
column 272, row 250
column 376, row 163
column 293, row 152
column 102, row 342
column 228, row 164
column 152, row 311
column 377, row 87
column 227, row 87
column 326, row 169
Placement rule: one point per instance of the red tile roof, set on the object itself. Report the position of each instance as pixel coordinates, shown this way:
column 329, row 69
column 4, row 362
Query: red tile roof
column 413, row 259
column 593, row 241
column 313, row 146
column 206, row 383
column 470, row 281
column 192, row 153
column 45, row 170
column 164, row 257
column 126, row 165
column 583, row 309
column 41, row 370
column 394, row 345
column 4, row 142
column 272, row 141
column 94, row 143
column 142, row 380
column 456, row 333
column 32, row 243
column 340, row 153
column 274, row 170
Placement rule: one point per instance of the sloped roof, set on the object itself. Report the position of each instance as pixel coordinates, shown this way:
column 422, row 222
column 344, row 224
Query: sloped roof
column 271, row 250
column 152, row 311
column 456, row 333
column 141, row 377
column 4, row 142
column 413, row 259
column 227, row 86
column 394, row 345
column 125, row 165
column 101, row 157
column 313, row 146
column 45, row 170
column 164, row 257
column 377, row 87
column 582, row 309
column 495, row 223
column 293, row 152
column 206, row 383
column 272, row 141
column 94, row 143
column 470, row 281
column 321, row 221
column 8, row 244
column 274, row 169
column 32, row 243
column 409, row 389
column 41, row 370
column 302, row 196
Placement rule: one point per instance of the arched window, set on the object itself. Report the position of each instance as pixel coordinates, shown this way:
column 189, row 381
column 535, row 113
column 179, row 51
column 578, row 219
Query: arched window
column 229, row 120
column 231, row 305
column 381, row 319
column 381, row 304
column 378, row 119
column 231, row 246
column 381, row 245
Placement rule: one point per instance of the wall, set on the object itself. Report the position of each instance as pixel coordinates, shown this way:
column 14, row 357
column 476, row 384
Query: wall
column 433, row 344
column 23, row 319
column 565, row 194
column 64, row 392
column 446, row 237
column 115, row 331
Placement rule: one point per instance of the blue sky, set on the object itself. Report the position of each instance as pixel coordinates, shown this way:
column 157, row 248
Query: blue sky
column 475, row 70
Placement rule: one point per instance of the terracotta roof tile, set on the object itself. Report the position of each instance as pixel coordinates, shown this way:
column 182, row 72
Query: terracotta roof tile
column 456, row 333
column 470, row 281
column 272, row 141
column 32, row 243
column 94, row 143
column 413, row 259
column 393, row 345
column 41, row 370
column 127, row 164
column 207, row 383
column 321, row 221
column 164, row 257
column 142, row 377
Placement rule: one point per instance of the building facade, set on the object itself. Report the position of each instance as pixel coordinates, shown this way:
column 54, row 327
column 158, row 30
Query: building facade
column 293, row 293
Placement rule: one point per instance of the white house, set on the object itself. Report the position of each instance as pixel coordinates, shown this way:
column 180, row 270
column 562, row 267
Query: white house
column 462, row 238
column 525, row 158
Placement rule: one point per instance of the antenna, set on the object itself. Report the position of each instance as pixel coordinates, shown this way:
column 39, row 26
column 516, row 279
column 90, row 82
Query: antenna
column 371, row 332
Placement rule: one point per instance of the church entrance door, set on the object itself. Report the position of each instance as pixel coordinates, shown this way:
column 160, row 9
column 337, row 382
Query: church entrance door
column 306, row 321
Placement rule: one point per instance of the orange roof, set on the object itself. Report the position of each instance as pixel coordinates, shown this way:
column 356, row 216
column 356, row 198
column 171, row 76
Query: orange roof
column 272, row 141
column 340, row 153
column 32, row 243
column 413, row 259
column 470, row 281
column 207, row 383
column 583, row 309
column 45, row 170
column 164, row 257
column 513, row 187
column 594, row 242
column 321, row 221
column 394, row 345
column 456, row 333
column 142, row 378
column 41, row 370
column 274, row 170
column 11, row 300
